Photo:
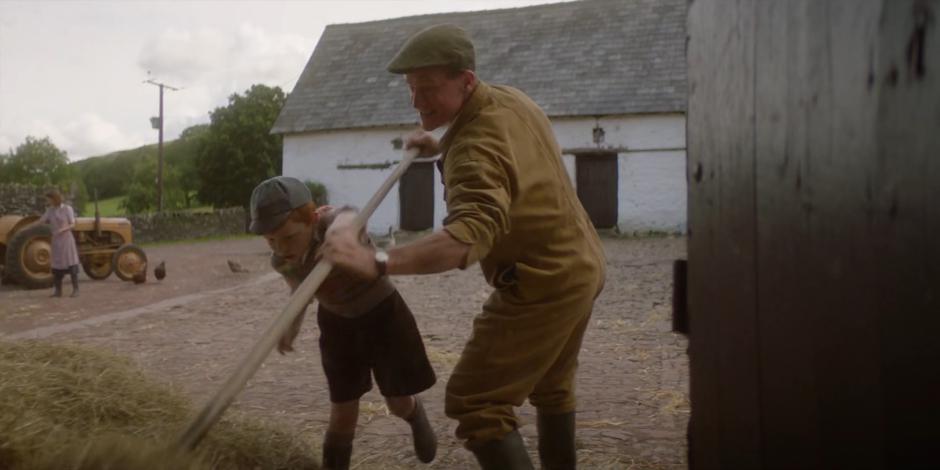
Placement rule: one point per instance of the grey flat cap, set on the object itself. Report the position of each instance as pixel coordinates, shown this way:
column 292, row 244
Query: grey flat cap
column 443, row 44
column 272, row 201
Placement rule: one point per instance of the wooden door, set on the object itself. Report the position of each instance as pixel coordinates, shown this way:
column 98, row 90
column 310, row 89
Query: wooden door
column 814, row 288
column 416, row 197
column 596, row 175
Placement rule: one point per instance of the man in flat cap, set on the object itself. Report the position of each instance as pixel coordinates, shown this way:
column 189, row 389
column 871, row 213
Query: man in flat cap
column 512, row 208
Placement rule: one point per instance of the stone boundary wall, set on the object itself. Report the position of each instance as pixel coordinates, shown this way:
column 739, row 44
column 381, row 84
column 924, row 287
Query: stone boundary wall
column 186, row 225
column 22, row 199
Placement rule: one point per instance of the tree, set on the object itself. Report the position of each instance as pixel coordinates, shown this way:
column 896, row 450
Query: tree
column 180, row 156
column 38, row 162
column 238, row 151
column 141, row 193
column 318, row 192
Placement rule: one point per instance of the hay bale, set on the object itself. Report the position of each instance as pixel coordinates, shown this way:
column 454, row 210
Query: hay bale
column 75, row 407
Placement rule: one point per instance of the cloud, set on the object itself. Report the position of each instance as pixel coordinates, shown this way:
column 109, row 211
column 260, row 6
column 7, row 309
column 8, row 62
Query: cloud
column 87, row 135
column 225, row 62
column 90, row 135
column 209, row 65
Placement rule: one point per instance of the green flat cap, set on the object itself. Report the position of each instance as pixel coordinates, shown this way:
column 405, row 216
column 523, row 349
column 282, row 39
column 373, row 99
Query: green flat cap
column 443, row 44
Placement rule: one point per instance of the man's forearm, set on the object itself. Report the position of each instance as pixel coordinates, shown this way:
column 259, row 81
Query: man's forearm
column 435, row 253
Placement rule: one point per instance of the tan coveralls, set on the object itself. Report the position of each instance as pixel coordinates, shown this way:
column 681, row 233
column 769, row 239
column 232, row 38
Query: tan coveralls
column 509, row 197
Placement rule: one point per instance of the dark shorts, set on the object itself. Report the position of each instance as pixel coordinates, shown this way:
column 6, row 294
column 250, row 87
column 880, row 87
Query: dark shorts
column 384, row 341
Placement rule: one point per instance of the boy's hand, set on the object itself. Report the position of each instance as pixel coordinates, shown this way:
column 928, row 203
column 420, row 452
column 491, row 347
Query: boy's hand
column 343, row 247
column 425, row 141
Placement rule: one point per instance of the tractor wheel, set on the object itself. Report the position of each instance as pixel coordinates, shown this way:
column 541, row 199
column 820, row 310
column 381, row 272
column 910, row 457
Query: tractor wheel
column 29, row 257
column 128, row 260
column 97, row 267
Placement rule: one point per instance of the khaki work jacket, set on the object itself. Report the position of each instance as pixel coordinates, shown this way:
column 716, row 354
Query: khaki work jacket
column 510, row 198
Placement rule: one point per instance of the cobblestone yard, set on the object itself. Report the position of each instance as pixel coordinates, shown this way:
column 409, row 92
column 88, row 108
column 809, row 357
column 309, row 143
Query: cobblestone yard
column 192, row 329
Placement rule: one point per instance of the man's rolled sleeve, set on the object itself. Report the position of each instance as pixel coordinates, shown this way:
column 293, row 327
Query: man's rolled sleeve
column 477, row 204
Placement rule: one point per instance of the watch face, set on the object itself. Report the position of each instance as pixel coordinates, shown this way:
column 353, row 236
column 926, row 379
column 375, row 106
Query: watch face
column 381, row 256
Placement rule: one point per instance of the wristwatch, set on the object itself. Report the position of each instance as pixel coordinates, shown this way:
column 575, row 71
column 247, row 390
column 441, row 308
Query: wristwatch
column 381, row 262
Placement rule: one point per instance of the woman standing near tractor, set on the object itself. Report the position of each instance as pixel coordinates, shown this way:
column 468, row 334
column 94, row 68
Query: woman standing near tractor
column 61, row 218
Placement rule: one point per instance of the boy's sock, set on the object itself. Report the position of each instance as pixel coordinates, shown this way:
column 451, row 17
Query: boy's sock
column 422, row 433
column 337, row 450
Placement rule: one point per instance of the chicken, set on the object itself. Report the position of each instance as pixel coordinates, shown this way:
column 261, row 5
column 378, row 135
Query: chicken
column 160, row 271
column 140, row 277
column 235, row 267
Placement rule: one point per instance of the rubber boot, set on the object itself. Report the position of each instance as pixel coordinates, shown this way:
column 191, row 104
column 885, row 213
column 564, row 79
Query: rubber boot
column 422, row 434
column 556, row 441
column 74, row 275
column 337, row 451
column 57, row 284
column 507, row 453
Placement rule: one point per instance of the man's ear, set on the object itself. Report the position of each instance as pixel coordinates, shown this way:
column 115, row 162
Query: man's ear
column 470, row 80
column 316, row 218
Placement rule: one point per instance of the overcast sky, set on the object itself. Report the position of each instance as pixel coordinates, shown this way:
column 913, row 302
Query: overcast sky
column 73, row 70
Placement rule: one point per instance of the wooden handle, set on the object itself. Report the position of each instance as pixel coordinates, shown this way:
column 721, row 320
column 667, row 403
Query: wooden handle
column 213, row 410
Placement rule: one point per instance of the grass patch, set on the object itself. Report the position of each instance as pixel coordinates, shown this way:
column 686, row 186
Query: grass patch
column 110, row 207
column 80, row 408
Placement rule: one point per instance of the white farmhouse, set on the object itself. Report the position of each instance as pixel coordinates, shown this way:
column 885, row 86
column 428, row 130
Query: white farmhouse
column 609, row 73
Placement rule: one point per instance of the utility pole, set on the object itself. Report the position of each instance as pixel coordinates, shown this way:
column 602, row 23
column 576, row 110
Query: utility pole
column 158, row 124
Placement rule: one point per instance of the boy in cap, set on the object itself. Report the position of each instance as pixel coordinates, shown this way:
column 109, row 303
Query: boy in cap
column 512, row 208
column 365, row 326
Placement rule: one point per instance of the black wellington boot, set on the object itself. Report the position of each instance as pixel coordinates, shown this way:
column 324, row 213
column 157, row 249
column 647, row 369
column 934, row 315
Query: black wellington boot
column 507, row 453
column 422, row 433
column 57, row 285
column 337, row 451
column 74, row 275
column 556, row 441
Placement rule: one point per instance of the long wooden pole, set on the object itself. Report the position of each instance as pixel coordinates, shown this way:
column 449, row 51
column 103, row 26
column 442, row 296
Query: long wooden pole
column 213, row 410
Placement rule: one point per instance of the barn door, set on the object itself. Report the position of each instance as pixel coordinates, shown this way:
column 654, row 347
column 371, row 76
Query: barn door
column 596, row 175
column 813, row 257
column 416, row 196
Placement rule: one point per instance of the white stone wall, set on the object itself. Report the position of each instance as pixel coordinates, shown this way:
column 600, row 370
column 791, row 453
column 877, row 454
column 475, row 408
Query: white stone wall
column 652, row 187
column 316, row 156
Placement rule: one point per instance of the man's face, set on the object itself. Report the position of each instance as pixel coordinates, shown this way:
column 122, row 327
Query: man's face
column 290, row 241
column 437, row 94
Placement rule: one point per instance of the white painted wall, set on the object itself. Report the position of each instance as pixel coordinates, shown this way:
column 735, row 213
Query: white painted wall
column 652, row 189
column 315, row 156
column 652, row 186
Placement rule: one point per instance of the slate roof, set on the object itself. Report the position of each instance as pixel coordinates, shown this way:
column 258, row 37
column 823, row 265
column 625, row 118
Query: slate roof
column 583, row 58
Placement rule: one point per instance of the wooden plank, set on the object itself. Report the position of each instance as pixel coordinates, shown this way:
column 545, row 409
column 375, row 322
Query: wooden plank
column 819, row 353
column 789, row 417
column 905, row 229
column 725, row 422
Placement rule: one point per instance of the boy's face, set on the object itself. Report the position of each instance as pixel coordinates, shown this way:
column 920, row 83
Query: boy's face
column 291, row 240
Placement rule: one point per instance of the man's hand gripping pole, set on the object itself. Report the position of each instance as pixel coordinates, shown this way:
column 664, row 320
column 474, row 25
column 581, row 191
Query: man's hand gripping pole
column 213, row 410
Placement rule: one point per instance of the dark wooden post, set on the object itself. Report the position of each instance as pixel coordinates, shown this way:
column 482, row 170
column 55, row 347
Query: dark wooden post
column 814, row 254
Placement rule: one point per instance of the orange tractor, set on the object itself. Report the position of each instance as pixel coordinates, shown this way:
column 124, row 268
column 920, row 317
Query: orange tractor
column 104, row 246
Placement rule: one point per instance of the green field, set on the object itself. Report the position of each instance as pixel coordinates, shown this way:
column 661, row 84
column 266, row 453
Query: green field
column 111, row 207
column 107, row 207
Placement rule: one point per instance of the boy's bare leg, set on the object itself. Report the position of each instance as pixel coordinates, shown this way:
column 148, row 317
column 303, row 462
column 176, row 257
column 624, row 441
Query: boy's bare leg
column 409, row 408
column 337, row 444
